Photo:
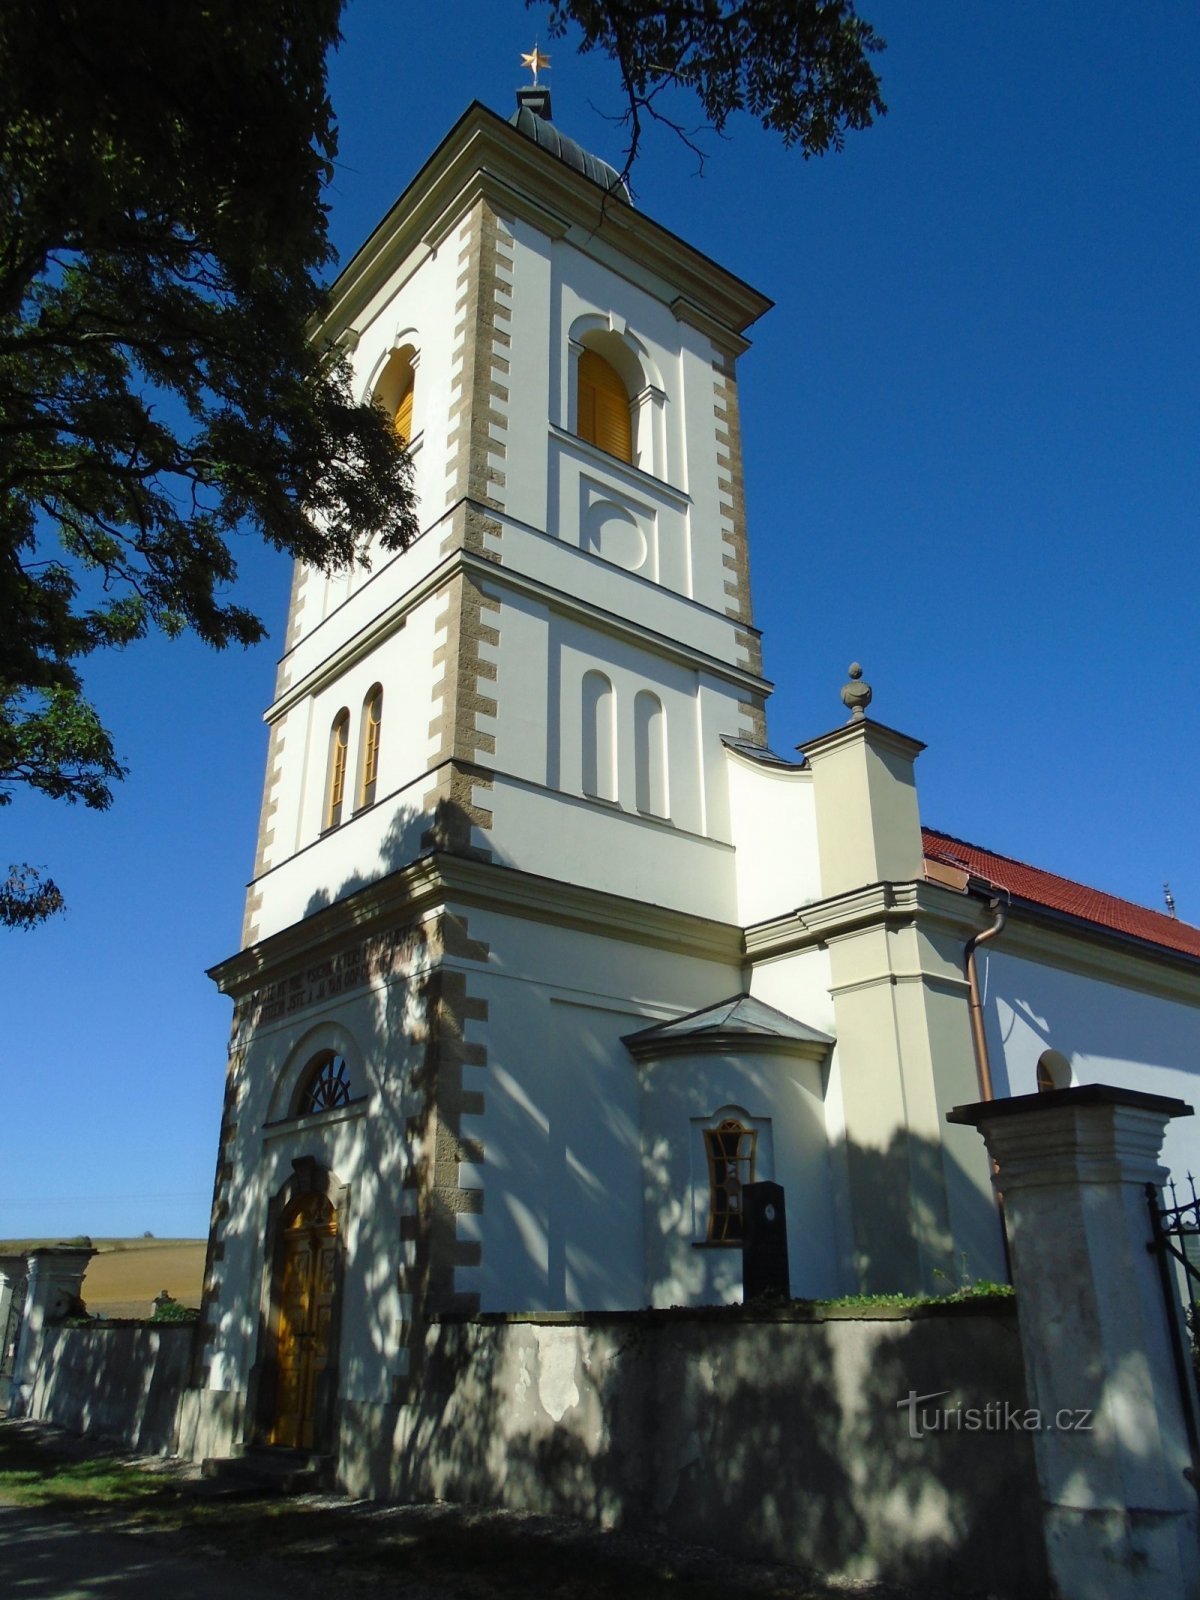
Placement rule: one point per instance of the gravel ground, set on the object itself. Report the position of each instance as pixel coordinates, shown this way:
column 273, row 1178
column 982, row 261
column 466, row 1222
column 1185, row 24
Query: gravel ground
column 326, row 1544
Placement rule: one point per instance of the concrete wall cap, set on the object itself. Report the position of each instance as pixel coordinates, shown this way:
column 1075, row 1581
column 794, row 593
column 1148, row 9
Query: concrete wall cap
column 866, row 732
column 1087, row 1094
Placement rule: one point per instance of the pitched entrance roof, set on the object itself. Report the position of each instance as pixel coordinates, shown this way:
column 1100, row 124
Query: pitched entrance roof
column 736, row 1020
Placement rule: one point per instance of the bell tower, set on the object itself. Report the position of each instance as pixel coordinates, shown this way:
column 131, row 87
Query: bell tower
column 544, row 677
column 497, row 827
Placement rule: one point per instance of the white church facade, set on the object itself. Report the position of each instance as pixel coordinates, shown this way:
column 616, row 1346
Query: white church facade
column 546, row 954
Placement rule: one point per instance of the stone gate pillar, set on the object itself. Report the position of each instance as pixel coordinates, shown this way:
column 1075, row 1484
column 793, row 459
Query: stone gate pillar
column 12, row 1280
column 53, row 1286
column 1113, row 1457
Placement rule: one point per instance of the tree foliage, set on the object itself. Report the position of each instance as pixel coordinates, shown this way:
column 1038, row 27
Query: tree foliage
column 162, row 240
column 800, row 66
column 162, row 248
column 26, row 898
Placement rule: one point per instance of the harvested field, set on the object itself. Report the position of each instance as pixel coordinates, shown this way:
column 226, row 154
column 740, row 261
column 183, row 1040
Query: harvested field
column 124, row 1277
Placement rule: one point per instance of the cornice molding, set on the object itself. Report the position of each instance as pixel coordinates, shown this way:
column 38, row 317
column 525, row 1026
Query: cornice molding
column 392, row 618
column 874, row 905
column 875, row 735
column 619, row 627
column 414, row 892
column 484, row 156
column 730, row 1041
column 1033, row 933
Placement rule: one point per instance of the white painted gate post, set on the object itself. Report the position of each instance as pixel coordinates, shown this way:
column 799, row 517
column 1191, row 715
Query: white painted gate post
column 1114, row 1463
column 55, row 1278
column 12, row 1276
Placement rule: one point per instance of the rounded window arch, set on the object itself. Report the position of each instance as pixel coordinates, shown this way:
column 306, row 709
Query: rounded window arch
column 335, row 783
column 599, row 737
column 325, row 1085
column 395, row 388
column 1053, row 1071
column 614, row 380
column 650, row 754
column 368, row 744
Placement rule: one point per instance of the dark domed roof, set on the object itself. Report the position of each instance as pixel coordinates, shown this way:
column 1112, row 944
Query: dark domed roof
column 532, row 118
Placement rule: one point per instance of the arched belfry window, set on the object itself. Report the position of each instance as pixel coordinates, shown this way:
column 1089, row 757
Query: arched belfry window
column 324, row 1085
column 372, row 723
column 396, row 387
column 603, row 416
column 335, row 786
column 599, row 737
column 650, row 754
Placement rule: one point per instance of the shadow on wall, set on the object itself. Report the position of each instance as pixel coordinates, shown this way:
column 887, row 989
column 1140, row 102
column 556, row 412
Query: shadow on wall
column 120, row 1383
column 411, row 833
column 778, row 1435
column 780, row 1439
column 412, row 1043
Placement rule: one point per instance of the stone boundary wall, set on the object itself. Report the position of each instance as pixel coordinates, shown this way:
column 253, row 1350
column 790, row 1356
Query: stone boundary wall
column 118, row 1382
column 780, row 1435
column 775, row 1435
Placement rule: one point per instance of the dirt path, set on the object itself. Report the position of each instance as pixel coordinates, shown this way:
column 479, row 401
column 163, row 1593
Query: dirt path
column 310, row 1546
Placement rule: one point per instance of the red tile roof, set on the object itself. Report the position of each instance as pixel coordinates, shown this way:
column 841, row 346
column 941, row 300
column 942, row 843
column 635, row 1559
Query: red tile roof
column 1063, row 894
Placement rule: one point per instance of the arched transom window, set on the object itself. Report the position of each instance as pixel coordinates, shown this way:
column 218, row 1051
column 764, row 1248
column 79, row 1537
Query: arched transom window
column 324, row 1084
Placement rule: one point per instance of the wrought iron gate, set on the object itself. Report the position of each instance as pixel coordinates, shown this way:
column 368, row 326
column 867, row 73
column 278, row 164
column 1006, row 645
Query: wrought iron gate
column 1173, row 1229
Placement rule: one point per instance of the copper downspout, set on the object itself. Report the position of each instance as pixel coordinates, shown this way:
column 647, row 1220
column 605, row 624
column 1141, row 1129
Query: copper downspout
column 983, row 1066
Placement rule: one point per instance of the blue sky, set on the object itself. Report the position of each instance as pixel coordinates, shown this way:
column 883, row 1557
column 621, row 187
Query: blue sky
column 971, row 454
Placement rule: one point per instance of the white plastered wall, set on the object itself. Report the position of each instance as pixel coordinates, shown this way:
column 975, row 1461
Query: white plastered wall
column 310, row 868
column 782, row 1097
column 774, row 829
column 1109, row 1033
column 562, row 1220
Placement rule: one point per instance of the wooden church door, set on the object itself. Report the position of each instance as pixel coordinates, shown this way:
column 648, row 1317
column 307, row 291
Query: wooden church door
column 303, row 1338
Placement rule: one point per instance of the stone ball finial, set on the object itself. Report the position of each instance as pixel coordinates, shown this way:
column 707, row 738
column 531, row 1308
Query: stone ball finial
column 856, row 695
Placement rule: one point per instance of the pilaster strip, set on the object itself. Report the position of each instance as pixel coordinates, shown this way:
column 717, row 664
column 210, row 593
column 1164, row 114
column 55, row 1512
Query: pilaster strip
column 266, row 828
column 434, row 1196
column 735, row 559
column 479, row 410
column 215, row 1253
column 731, row 488
column 462, row 694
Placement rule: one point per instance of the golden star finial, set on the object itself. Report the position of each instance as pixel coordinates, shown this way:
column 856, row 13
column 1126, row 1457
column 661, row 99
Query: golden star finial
column 537, row 61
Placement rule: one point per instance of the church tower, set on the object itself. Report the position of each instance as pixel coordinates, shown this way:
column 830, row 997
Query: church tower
column 497, row 830
column 544, row 678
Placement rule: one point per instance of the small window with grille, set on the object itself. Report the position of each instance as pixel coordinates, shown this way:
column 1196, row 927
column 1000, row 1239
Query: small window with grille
column 730, row 1147
column 325, row 1085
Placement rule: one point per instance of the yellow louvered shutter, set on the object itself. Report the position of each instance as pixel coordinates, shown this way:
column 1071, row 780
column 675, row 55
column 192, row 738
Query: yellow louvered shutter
column 338, row 740
column 372, row 717
column 404, row 414
column 604, row 407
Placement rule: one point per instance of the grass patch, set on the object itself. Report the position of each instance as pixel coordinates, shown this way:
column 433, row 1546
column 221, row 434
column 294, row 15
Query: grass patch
column 33, row 1477
column 983, row 1290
